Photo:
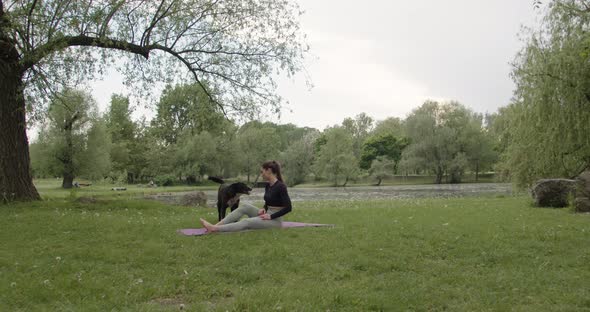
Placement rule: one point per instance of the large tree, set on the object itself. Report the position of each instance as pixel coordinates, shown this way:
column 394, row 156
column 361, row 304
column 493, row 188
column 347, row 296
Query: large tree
column 478, row 144
column 359, row 128
column 122, row 131
column 390, row 125
column 196, row 156
column 298, row 159
column 256, row 145
column 382, row 145
column 186, row 107
column 73, row 141
column 288, row 133
column 381, row 168
column 236, row 47
column 548, row 123
column 69, row 115
column 434, row 132
column 335, row 159
column 446, row 139
column 95, row 159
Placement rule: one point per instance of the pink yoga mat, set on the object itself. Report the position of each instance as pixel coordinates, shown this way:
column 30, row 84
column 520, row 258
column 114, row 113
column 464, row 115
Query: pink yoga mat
column 203, row 231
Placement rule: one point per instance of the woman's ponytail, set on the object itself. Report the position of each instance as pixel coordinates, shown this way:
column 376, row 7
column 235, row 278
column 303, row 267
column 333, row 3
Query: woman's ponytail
column 275, row 167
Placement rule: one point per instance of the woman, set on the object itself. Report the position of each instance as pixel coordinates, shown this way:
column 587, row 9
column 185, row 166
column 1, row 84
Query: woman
column 276, row 204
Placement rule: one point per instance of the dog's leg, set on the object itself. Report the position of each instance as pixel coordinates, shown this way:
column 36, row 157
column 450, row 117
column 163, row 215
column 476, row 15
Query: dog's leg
column 219, row 211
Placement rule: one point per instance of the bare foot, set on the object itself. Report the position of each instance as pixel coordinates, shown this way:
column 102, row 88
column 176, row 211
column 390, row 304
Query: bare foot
column 210, row 227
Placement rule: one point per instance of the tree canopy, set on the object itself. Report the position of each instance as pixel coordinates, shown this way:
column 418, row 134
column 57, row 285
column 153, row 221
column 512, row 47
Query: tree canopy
column 232, row 49
column 546, row 128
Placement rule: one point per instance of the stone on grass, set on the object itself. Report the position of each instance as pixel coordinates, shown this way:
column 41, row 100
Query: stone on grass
column 582, row 204
column 194, row 199
column 583, row 184
column 552, row 192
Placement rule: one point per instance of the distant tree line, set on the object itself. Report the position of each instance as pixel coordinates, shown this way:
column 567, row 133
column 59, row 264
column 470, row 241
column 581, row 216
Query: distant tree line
column 190, row 138
column 543, row 132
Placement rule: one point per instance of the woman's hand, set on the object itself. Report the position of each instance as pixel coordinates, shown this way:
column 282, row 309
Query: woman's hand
column 265, row 216
column 261, row 211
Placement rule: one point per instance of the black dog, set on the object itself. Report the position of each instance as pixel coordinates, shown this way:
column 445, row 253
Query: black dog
column 228, row 195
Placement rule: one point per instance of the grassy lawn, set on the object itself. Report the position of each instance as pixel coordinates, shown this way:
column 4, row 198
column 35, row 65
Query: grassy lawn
column 469, row 254
column 51, row 188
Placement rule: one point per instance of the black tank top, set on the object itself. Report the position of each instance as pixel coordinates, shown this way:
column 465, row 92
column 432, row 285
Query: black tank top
column 277, row 196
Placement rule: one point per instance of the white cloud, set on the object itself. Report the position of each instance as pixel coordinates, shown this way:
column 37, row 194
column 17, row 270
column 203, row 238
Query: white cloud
column 348, row 79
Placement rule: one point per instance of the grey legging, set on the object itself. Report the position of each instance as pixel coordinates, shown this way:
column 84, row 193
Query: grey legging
column 232, row 223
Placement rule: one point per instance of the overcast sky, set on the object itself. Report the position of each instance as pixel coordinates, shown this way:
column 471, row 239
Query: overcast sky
column 385, row 57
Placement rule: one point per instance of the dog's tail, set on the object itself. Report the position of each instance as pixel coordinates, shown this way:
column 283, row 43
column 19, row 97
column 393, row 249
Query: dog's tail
column 216, row 179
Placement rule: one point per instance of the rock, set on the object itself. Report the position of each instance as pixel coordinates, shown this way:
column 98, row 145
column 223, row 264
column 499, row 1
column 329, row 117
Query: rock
column 552, row 192
column 194, row 199
column 582, row 201
column 582, row 204
column 119, row 188
column 583, row 184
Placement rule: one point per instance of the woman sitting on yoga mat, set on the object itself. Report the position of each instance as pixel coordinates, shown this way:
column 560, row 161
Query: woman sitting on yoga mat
column 276, row 204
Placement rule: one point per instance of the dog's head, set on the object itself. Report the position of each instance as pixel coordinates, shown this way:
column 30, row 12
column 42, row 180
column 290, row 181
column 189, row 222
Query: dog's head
column 235, row 190
column 239, row 188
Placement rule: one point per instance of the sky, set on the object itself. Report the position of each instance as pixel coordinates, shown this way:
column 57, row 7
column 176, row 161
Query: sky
column 386, row 57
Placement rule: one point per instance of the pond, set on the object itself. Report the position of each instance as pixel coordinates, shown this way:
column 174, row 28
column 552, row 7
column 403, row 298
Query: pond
column 368, row 192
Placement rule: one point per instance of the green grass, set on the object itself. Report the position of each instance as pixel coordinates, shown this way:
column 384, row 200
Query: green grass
column 51, row 188
column 470, row 254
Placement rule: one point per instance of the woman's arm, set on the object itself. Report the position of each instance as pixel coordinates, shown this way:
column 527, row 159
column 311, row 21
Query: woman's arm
column 285, row 203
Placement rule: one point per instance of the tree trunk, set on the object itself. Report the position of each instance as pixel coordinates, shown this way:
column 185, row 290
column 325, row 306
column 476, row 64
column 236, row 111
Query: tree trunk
column 379, row 182
column 476, row 171
column 255, row 181
column 68, row 180
column 68, row 157
column 345, row 182
column 16, row 182
column 439, row 175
